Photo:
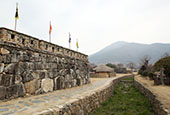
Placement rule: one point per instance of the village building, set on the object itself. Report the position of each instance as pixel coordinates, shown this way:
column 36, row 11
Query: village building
column 103, row 71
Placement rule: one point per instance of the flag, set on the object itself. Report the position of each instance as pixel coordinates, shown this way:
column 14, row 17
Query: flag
column 69, row 38
column 77, row 44
column 16, row 14
column 50, row 28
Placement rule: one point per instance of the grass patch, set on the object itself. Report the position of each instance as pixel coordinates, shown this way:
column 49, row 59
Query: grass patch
column 127, row 100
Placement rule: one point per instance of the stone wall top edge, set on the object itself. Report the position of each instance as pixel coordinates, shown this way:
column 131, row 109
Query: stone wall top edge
column 16, row 32
column 42, row 52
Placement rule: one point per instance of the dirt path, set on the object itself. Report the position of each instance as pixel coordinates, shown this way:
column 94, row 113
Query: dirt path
column 162, row 92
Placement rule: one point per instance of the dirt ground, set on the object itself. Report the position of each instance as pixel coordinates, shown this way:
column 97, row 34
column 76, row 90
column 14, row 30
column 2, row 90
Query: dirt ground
column 162, row 92
column 96, row 79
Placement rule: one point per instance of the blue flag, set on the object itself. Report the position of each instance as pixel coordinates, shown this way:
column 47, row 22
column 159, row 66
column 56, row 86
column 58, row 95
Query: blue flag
column 69, row 38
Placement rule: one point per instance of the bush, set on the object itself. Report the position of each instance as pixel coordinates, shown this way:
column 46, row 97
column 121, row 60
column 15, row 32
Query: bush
column 120, row 70
column 117, row 68
column 143, row 71
column 151, row 75
column 164, row 63
column 111, row 65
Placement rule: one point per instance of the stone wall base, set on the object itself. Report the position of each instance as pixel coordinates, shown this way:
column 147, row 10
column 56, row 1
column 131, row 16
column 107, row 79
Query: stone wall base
column 84, row 104
column 157, row 105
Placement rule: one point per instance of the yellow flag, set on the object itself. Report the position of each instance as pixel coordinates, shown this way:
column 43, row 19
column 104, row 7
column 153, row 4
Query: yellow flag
column 77, row 44
column 16, row 14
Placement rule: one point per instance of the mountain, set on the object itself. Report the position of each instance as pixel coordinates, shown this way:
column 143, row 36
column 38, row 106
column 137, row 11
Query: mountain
column 124, row 52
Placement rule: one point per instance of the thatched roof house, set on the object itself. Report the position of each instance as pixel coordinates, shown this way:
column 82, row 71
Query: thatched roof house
column 104, row 71
column 103, row 68
column 91, row 66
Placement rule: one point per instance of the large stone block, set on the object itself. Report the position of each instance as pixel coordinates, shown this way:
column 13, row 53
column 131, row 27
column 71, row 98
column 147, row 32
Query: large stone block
column 21, row 67
column 47, row 84
column 62, row 72
column 7, row 80
column 6, row 58
column 27, row 76
column 16, row 90
column 78, row 81
column 1, row 79
column 55, row 83
column 58, row 81
column 63, row 86
column 51, row 65
column 32, row 86
column 42, row 74
column 50, row 74
column 55, row 72
column 67, row 78
column 74, row 83
column 39, row 91
column 25, row 57
column 18, row 79
column 39, row 65
column 2, row 92
column 9, row 69
column 2, row 65
column 4, row 51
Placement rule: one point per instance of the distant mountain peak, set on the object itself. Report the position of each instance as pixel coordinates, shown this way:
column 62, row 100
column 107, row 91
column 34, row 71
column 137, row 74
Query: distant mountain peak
column 120, row 42
column 125, row 52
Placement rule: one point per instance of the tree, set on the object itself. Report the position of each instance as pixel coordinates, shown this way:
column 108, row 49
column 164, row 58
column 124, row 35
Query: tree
column 111, row 65
column 131, row 65
column 144, row 66
column 120, row 65
column 144, row 60
column 164, row 63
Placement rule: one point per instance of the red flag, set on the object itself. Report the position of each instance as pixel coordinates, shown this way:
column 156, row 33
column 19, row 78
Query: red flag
column 50, row 28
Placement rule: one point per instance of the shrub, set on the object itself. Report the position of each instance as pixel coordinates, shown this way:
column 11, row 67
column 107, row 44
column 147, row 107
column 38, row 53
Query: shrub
column 111, row 65
column 120, row 70
column 164, row 63
column 151, row 75
column 143, row 71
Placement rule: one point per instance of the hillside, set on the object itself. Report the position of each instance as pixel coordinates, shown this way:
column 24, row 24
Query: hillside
column 124, row 52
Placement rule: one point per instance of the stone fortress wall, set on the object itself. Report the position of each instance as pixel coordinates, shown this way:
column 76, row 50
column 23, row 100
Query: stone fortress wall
column 29, row 66
column 84, row 104
column 158, row 107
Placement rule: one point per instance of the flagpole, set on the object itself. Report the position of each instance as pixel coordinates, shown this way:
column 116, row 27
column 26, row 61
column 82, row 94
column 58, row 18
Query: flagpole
column 50, row 37
column 16, row 17
column 77, row 45
column 69, row 45
column 50, row 33
column 69, row 40
column 15, row 24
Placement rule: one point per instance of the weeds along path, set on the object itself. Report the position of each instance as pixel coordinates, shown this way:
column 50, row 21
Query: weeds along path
column 127, row 100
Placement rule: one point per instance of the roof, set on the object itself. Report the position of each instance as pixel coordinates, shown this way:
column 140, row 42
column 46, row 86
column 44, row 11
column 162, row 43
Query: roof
column 103, row 68
column 91, row 65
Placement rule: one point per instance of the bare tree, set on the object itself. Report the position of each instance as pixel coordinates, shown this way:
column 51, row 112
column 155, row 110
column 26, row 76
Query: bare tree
column 145, row 60
column 120, row 65
column 131, row 65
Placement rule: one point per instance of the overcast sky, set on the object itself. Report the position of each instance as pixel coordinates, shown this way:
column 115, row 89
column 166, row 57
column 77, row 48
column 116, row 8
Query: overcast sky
column 95, row 23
